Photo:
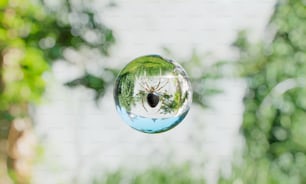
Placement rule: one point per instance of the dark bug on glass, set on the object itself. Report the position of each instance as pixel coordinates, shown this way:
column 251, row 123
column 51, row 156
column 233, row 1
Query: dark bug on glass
column 152, row 99
column 153, row 96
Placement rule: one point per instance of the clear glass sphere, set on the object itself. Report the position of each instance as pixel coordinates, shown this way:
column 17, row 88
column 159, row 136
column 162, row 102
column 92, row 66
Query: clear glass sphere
column 152, row 94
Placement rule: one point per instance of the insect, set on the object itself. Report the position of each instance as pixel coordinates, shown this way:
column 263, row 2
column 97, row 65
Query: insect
column 152, row 99
column 152, row 94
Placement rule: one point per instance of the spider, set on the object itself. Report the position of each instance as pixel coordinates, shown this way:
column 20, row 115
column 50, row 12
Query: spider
column 152, row 93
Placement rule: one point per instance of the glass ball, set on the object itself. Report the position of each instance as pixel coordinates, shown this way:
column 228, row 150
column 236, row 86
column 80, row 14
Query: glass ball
column 152, row 94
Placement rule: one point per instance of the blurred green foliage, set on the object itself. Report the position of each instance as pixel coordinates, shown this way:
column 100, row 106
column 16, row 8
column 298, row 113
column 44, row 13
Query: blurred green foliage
column 90, row 81
column 274, row 120
column 204, row 77
column 154, row 175
column 33, row 35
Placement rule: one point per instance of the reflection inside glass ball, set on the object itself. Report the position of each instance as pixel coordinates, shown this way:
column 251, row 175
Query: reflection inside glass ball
column 152, row 94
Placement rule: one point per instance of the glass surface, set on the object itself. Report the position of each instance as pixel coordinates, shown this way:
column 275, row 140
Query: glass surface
column 152, row 94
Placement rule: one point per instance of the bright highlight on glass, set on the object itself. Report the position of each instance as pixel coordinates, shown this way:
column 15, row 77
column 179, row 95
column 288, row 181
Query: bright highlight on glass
column 152, row 94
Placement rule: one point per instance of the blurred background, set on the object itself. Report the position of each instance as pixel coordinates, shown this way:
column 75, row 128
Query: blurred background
column 246, row 61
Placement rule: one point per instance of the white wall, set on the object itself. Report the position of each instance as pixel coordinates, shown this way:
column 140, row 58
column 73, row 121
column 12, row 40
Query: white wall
column 81, row 138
